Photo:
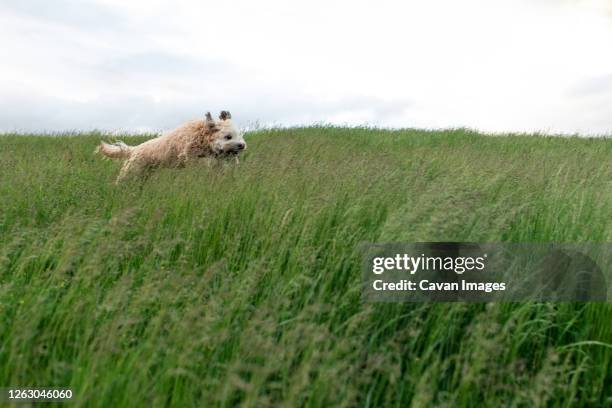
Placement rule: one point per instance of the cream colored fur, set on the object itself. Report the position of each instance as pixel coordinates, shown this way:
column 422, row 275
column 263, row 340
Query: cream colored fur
column 198, row 138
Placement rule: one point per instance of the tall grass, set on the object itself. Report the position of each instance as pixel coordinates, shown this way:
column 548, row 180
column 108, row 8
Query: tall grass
column 241, row 284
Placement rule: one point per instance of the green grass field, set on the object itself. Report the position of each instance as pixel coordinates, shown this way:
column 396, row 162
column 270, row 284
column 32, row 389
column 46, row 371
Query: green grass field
column 240, row 285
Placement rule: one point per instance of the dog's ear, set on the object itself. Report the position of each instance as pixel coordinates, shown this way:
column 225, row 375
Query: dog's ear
column 209, row 120
column 225, row 115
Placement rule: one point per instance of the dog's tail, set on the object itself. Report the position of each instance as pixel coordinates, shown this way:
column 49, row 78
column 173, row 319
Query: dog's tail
column 118, row 150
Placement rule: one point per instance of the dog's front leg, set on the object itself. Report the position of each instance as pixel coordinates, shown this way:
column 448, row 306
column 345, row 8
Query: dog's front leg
column 187, row 154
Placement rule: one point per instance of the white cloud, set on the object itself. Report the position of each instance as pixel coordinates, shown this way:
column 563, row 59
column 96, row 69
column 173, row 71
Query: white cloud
column 502, row 65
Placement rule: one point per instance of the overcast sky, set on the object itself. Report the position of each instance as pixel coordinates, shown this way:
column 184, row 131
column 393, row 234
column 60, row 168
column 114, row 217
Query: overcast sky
column 493, row 65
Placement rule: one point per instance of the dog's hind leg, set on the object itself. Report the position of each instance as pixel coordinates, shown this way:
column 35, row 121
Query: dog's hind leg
column 130, row 168
column 123, row 173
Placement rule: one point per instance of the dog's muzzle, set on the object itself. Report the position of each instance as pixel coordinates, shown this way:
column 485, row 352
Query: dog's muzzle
column 237, row 148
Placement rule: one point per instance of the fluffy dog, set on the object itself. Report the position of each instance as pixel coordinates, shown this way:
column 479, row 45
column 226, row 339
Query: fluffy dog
column 199, row 138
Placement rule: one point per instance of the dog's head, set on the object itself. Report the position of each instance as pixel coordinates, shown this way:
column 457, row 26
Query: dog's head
column 225, row 138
